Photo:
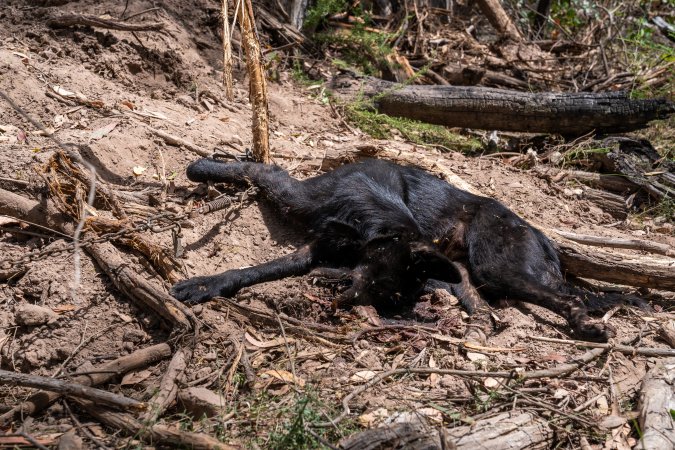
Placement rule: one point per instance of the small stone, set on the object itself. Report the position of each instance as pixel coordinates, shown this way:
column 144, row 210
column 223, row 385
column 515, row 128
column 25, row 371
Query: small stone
column 33, row 315
column 210, row 356
column 200, row 402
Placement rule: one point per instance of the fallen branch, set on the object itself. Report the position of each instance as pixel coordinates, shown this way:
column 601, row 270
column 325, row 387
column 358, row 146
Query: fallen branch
column 99, row 375
column 557, row 371
column 632, row 244
column 71, row 20
column 69, row 389
column 509, row 430
column 625, row 349
column 657, row 402
column 154, row 434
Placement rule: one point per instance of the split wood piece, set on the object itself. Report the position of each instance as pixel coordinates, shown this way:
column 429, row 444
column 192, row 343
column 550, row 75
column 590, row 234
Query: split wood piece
column 657, row 403
column 153, row 434
column 227, row 54
column 612, row 204
column 500, row 109
column 557, row 371
column 168, row 387
column 179, row 142
column 509, row 430
column 667, row 332
column 257, row 83
column 656, row 273
column 461, row 75
column 632, row 244
column 625, row 349
column 613, row 183
column 290, row 34
column 69, row 389
column 124, row 277
column 99, row 375
column 70, row 20
column 642, row 271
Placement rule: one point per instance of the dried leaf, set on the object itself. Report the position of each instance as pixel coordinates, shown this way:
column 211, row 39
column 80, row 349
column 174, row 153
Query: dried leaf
column 557, row 357
column 283, row 375
column 373, row 418
column 64, row 308
column 135, row 377
column 138, row 170
column 269, row 344
column 103, row 131
column 362, row 376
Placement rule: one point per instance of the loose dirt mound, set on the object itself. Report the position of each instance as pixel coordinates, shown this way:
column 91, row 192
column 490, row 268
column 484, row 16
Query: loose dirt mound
column 279, row 360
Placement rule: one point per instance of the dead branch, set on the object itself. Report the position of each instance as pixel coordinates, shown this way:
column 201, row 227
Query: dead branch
column 70, row 389
column 657, row 398
column 71, row 20
column 557, row 371
column 513, row 429
column 179, row 142
column 499, row 19
column 99, row 375
column 257, row 83
column 632, row 244
column 154, row 434
column 625, row 349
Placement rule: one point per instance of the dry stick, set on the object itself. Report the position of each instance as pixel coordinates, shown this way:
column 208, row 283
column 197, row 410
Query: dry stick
column 179, row 142
column 257, row 83
column 168, row 387
column 83, row 429
column 155, row 434
column 104, row 373
column 632, row 244
column 70, row 389
column 227, row 55
column 625, row 349
column 557, row 371
column 69, row 20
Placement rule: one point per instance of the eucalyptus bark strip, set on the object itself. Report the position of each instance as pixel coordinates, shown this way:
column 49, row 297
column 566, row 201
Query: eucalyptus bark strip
column 257, row 83
column 227, row 55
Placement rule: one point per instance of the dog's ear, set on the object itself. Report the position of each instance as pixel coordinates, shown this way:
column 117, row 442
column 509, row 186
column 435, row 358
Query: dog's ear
column 430, row 263
column 340, row 236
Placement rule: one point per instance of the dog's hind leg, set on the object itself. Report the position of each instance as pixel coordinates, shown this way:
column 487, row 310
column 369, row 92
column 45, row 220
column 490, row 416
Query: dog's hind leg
column 480, row 313
column 201, row 289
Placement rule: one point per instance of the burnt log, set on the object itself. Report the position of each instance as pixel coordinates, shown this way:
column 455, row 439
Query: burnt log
column 498, row 109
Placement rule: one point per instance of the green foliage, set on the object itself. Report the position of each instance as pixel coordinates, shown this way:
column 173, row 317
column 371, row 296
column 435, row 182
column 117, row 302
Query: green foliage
column 573, row 15
column 364, row 50
column 382, row 126
column 322, row 9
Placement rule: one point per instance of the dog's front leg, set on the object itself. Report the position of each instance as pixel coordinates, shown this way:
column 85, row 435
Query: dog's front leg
column 226, row 284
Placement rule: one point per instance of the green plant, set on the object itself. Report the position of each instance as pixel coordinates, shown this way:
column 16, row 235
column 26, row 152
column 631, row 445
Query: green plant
column 382, row 126
column 322, row 9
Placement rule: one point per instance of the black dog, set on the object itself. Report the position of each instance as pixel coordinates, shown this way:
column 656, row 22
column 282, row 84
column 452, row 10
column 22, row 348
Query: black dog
column 398, row 229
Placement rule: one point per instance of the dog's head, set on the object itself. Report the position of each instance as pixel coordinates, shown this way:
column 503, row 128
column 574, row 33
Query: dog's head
column 392, row 271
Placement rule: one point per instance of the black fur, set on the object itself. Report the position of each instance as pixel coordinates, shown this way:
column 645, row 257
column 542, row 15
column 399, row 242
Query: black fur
column 395, row 228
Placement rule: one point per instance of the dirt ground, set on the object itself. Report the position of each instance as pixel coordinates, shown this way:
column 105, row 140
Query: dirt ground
column 169, row 80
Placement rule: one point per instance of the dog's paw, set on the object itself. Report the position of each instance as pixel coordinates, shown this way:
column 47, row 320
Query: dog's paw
column 594, row 331
column 196, row 290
